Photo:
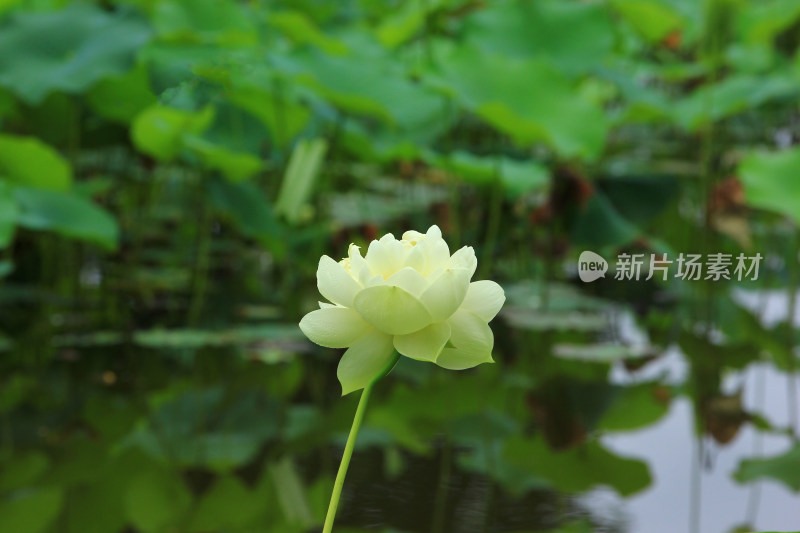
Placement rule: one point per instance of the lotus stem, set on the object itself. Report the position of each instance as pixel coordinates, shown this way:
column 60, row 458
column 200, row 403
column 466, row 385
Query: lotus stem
column 348, row 453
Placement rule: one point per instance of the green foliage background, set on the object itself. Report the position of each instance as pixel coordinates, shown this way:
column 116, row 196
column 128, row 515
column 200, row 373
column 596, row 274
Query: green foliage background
column 171, row 171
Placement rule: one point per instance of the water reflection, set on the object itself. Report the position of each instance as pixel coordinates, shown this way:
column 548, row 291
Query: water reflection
column 472, row 504
column 670, row 448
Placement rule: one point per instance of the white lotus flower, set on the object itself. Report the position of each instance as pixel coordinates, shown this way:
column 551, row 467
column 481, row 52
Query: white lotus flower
column 409, row 295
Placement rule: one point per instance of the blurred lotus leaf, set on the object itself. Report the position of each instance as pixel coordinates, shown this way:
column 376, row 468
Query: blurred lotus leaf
column 67, row 50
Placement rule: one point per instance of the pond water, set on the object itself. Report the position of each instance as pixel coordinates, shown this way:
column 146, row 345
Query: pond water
column 672, row 452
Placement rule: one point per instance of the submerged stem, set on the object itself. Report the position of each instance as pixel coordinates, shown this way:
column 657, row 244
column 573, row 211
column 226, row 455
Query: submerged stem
column 348, row 453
